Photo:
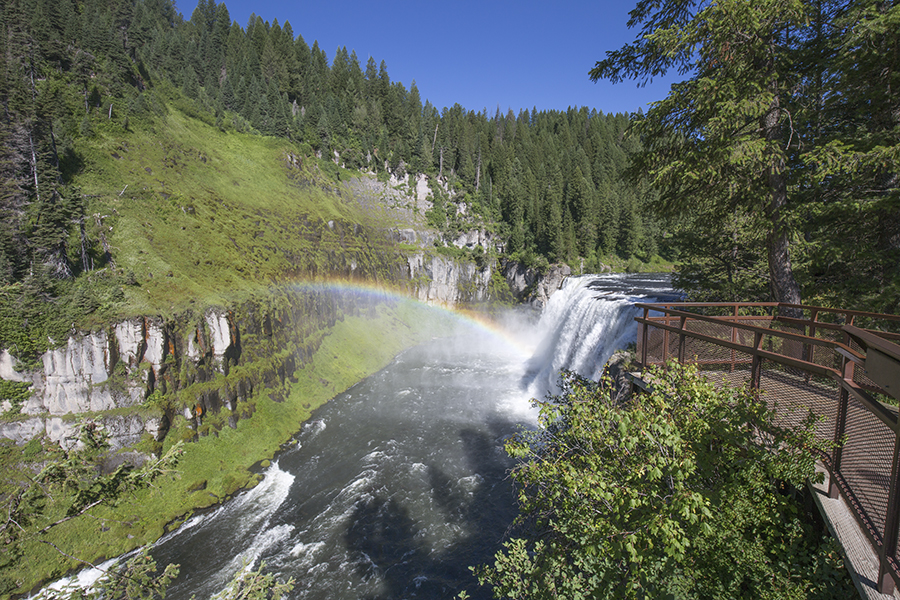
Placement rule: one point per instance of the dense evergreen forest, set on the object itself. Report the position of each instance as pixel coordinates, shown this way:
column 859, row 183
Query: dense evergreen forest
column 779, row 152
column 548, row 182
column 818, row 125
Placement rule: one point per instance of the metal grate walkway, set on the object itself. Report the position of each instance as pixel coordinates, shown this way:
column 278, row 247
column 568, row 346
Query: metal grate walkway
column 842, row 366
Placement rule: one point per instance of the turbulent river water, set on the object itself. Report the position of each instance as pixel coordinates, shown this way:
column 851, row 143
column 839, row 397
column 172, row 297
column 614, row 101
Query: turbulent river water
column 397, row 486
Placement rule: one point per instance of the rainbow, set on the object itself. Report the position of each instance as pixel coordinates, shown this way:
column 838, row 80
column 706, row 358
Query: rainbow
column 478, row 321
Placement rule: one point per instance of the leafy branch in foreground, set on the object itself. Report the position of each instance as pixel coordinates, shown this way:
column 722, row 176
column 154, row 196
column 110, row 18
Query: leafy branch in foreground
column 690, row 491
column 136, row 578
column 249, row 584
column 139, row 579
column 68, row 487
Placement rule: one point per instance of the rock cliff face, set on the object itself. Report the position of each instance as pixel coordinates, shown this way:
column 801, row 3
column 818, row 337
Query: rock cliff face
column 444, row 281
column 478, row 237
column 530, row 287
column 101, row 371
column 109, row 375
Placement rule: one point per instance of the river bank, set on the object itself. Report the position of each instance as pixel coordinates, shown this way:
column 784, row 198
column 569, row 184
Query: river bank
column 218, row 464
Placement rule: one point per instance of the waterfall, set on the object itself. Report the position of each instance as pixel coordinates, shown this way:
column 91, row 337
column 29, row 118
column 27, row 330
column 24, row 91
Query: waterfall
column 585, row 322
column 401, row 483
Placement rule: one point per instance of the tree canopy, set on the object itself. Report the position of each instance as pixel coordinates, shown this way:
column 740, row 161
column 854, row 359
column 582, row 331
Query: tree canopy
column 74, row 67
column 785, row 130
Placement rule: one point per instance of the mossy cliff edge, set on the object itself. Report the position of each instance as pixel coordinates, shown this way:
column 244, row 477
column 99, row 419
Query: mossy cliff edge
column 211, row 317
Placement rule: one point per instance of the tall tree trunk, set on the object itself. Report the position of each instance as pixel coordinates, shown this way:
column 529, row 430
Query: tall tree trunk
column 37, row 191
column 782, row 283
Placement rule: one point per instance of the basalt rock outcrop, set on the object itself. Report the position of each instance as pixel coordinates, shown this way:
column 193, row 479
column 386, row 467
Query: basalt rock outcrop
column 116, row 370
column 139, row 375
column 532, row 287
column 113, row 376
column 437, row 279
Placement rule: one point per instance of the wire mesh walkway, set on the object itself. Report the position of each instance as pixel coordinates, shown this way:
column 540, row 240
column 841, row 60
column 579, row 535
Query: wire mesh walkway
column 841, row 365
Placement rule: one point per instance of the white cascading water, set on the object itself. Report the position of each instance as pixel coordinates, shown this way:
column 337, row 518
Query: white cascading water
column 585, row 322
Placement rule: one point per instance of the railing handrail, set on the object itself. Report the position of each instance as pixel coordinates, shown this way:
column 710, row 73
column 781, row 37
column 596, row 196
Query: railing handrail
column 875, row 341
column 836, row 327
column 878, row 356
column 886, row 416
column 845, row 311
column 799, row 337
column 782, row 358
column 714, row 304
column 879, row 410
column 886, row 335
column 809, row 307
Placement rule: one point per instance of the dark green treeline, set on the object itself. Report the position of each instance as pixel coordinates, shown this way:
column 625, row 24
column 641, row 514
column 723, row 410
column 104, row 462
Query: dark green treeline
column 548, row 182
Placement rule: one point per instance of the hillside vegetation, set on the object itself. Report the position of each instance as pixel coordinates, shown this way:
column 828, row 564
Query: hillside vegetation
column 149, row 161
column 194, row 213
column 178, row 214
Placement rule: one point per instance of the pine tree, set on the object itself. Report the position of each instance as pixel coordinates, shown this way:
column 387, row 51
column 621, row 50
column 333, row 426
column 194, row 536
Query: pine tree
column 585, row 216
column 191, row 84
column 227, row 95
column 218, row 42
column 720, row 136
column 291, row 80
column 13, row 203
column 630, row 227
column 856, row 188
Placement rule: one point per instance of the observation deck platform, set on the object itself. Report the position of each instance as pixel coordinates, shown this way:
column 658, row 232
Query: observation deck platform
column 841, row 366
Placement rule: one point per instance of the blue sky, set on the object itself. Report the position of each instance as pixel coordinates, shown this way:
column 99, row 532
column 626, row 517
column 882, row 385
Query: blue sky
column 479, row 53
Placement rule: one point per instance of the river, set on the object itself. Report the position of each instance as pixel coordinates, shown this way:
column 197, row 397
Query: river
column 397, row 486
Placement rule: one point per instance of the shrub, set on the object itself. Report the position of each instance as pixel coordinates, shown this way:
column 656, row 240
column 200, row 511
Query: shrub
column 687, row 492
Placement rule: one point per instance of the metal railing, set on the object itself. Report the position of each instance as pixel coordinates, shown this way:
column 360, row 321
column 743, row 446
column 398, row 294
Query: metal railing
column 842, row 365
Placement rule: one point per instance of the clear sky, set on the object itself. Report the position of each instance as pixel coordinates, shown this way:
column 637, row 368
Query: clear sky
column 479, row 53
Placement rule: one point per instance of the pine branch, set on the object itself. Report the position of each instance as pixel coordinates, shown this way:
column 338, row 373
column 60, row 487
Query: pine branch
column 64, row 519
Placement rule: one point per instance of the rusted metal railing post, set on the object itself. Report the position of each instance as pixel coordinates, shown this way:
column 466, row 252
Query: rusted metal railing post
column 848, row 369
column 665, row 348
column 756, row 365
column 644, row 339
column 808, row 351
column 734, row 330
column 840, row 428
column 681, row 338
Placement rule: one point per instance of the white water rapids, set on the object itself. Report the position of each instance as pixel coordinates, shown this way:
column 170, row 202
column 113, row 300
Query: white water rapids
column 397, row 486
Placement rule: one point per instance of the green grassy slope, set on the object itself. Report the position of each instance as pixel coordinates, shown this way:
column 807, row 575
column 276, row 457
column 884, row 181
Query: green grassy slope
column 197, row 214
column 182, row 214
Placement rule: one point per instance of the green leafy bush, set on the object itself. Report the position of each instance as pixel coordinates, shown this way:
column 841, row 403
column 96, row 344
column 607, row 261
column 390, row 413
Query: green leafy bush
column 688, row 492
